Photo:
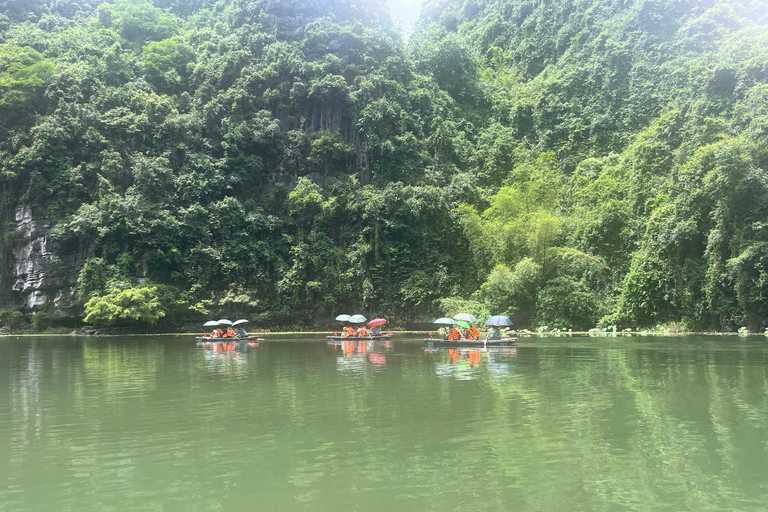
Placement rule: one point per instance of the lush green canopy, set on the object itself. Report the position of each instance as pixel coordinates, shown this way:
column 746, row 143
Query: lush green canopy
column 570, row 163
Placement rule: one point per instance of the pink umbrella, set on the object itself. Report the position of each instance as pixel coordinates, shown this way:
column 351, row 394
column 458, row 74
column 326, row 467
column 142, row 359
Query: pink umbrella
column 377, row 322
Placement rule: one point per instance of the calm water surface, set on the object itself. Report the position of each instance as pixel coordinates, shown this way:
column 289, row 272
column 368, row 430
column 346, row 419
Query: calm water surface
column 553, row 424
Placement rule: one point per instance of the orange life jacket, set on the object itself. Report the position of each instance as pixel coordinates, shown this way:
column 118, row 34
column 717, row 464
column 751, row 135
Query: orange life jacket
column 474, row 334
column 455, row 334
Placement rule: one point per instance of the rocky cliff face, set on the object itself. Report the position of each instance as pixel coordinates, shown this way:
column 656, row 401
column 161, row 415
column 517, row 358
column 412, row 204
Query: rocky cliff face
column 39, row 279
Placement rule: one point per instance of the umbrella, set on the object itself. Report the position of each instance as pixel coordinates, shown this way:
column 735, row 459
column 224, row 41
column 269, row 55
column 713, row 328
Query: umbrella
column 444, row 321
column 462, row 323
column 499, row 321
column 377, row 322
column 343, row 318
column 211, row 323
column 240, row 322
column 224, row 321
column 467, row 317
column 357, row 319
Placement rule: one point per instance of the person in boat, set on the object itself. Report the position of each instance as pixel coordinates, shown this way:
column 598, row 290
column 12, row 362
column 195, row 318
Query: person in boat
column 375, row 331
column 216, row 333
column 230, row 333
column 362, row 331
column 494, row 333
column 453, row 334
column 471, row 333
column 242, row 333
column 347, row 332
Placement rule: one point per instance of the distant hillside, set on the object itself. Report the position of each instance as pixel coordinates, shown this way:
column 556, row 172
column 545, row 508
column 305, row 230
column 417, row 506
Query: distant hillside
column 573, row 163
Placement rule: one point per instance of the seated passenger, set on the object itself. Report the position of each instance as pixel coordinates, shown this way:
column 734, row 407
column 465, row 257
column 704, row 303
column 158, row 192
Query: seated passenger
column 494, row 333
column 242, row 333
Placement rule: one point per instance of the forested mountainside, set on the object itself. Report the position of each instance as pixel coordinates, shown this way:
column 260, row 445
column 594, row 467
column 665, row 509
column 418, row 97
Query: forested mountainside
column 572, row 163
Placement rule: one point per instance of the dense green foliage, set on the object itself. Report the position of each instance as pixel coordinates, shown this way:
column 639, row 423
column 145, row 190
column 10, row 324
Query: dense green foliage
column 572, row 163
column 140, row 304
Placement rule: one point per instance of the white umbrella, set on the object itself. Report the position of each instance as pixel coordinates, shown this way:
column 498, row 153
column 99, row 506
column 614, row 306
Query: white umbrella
column 224, row 321
column 240, row 322
column 343, row 318
column 444, row 321
column 357, row 319
column 211, row 323
column 467, row 317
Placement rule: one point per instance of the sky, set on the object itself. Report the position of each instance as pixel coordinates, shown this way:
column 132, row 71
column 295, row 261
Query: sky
column 406, row 12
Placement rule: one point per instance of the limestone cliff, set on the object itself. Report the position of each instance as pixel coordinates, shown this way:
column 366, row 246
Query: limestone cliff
column 38, row 278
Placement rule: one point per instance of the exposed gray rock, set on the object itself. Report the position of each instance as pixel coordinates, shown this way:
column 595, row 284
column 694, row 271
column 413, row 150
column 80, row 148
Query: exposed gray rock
column 42, row 279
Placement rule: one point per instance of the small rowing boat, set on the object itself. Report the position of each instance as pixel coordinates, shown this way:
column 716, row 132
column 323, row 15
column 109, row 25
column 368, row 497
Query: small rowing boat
column 360, row 338
column 464, row 342
column 236, row 339
column 227, row 334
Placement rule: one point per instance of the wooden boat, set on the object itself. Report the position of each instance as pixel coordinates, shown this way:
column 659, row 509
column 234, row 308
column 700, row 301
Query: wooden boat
column 360, row 338
column 236, row 339
column 463, row 342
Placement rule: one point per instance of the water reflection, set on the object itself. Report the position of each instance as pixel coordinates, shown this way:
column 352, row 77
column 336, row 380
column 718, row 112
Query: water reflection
column 227, row 346
column 357, row 356
column 225, row 362
column 554, row 424
column 464, row 363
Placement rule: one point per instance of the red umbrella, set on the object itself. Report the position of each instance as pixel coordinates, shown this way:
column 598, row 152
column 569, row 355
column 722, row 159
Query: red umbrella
column 377, row 322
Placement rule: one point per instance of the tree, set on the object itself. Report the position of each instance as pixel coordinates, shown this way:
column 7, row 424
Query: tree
column 23, row 73
column 139, row 304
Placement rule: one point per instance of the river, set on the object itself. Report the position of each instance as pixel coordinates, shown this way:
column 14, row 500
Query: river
column 551, row 424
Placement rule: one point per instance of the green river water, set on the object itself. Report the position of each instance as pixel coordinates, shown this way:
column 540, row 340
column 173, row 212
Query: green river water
column 552, row 424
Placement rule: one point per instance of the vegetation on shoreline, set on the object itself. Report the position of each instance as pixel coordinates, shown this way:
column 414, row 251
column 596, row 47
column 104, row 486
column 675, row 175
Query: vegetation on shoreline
column 578, row 164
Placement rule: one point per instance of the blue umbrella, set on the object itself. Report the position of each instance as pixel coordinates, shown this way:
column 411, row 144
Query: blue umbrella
column 211, row 323
column 499, row 321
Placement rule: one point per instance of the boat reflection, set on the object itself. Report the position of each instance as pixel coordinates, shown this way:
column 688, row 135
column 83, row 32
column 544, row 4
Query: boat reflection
column 357, row 354
column 227, row 346
column 463, row 363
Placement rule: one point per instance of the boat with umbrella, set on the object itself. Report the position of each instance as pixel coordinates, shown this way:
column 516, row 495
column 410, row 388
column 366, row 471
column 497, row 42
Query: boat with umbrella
column 351, row 334
column 465, row 320
column 224, row 323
